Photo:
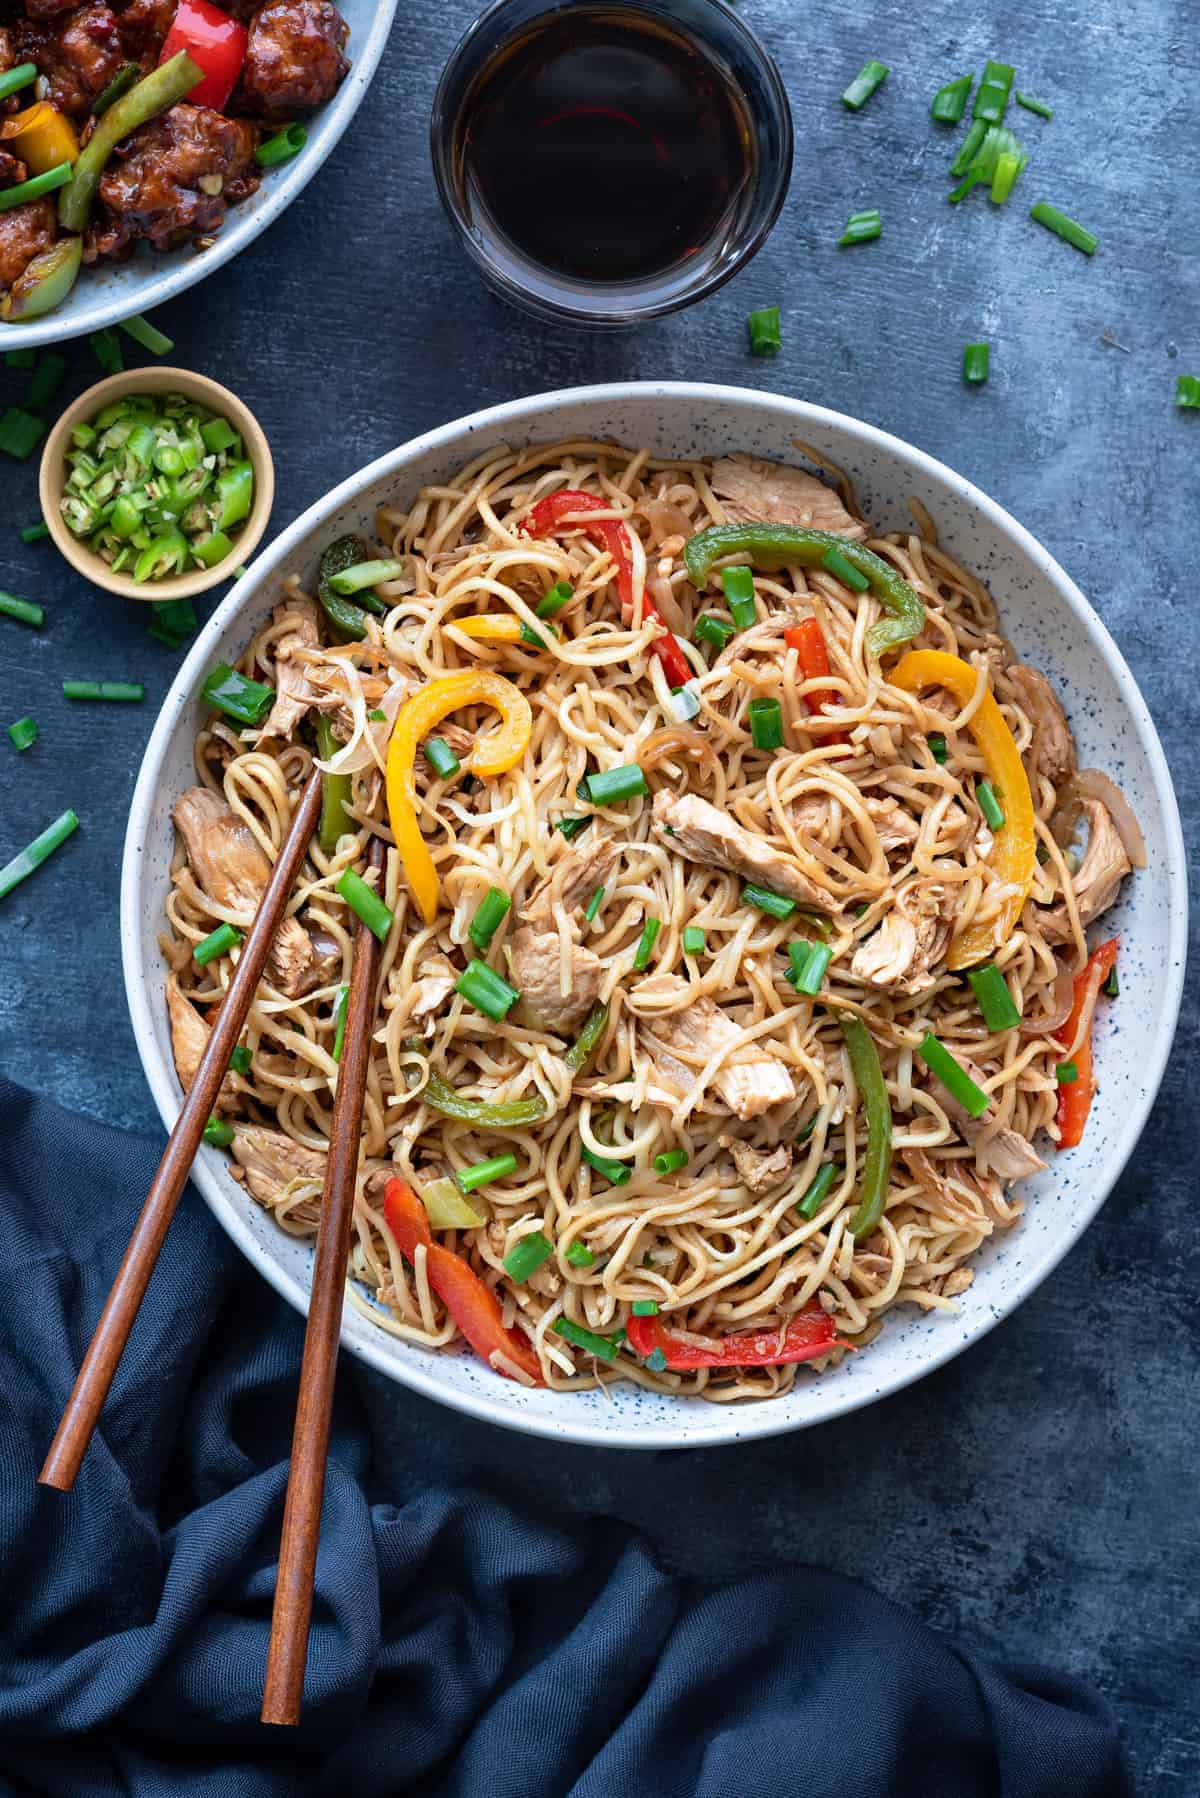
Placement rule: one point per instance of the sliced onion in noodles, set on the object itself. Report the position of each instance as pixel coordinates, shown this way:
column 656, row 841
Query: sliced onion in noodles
column 665, row 520
column 1092, row 784
column 1060, row 1007
column 662, row 745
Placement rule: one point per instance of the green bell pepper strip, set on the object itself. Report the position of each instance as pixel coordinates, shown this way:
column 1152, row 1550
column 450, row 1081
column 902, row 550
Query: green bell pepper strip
column 335, row 790
column 45, row 283
column 589, row 1036
column 774, row 546
column 507, row 1115
column 156, row 93
column 344, row 614
column 877, row 1163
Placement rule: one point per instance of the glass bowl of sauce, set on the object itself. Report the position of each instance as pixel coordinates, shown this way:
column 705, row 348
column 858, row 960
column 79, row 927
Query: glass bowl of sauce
column 608, row 161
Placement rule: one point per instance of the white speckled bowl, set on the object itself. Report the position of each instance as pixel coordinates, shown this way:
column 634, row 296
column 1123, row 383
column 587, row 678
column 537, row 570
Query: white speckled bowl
column 106, row 294
column 1050, row 622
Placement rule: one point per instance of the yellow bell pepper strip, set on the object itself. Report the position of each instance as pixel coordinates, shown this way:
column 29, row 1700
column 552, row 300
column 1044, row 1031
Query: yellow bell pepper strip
column 41, row 136
column 489, row 627
column 1014, row 858
column 494, row 755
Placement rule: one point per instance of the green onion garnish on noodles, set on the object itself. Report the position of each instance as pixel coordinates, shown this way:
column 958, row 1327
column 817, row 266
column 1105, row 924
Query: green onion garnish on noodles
column 441, row 757
column 483, row 1172
column 1064, row 227
column 148, row 335
column 20, row 432
column 957, row 1082
column 991, row 101
column 282, row 147
column 217, row 1133
column 808, row 980
column 23, row 610
column 861, row 227
column 645, row 948
column 950, row 102
column 487, row 991
column 644, row 1308
column 571, row 827
column 1032, row 105
column 670, row 1161
column 606, row 1347
column 773, row 903
column 937, row 746
column 1112, row 986
column 33, row 533
column 693, row 940
column 365, row 574
column 989, row 805
column 869, row 77
column 976, row 367
column 738, row 584
column 996, row 1002
column 526, row 1256
column 23, row 734
column 818, row 1191
column 577, row 1254
column 339, row 1021
column 807, row 1129
column 218, row 942
column 121, row 691
column 708, row 629
column 593, row 905
column 766, row 723
column 241, row 1060
column 1066, row 1073
column 493, row 908
column 1187, row 393
column 836, row 564
column 969, row 148
column 763, row 326
column 31, row 858
column 555, row 600
column 245, row 701
column 365, row 903
column 615, row 1172
column 378, row 716
column 613, row 785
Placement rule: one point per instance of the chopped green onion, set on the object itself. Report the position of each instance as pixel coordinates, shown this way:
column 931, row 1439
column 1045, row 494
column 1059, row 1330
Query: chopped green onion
column 33, row 533
column 11, row 82
column 976, row 366
column 148, row 335
column 991, row 100
column 365, row 574
column 121, row 690
column 571, row 827
column 606, row 1347
column 861, row 227
column 1032, row 105
column 1064, row 227
column 763, row 326
column 218, row 942
column 969, row 148
column 845, row 571
column 122, row 81
column 577, row 1254
column 23, row 610
column 708, row 629
column 1112, row 986
column 497, row 1168
column 23, row 734
column 526, row 1256
column 20, row 432
column 245, row 701
column 555, row 600
column 20, row 358
column 645, row 948
column 693, row 940
column 950, row 102
column 1008, row 167
column 989, row 805
column 670, row 1161
column 739, row 595
column 615, row 1172
column 995, row 1000
column 339, row 1021
column 32, row 857
column 47, row 379
column 957, row 1082
column 173, row 622
column 446, row 1208
column 1066, row 1073
column 106, row 346
column 35, row 186
column 217, row 1133
column 365, row 903
column 772, row 903
column 807, row 1129
column 377, row 717
column 766, row 723
column 818, row 1191
column 656, row 1361
column 1187, row 393
column 241, row 1059
column 537, row 638
column 594, row 904
column 808, row 980
column 441, row 757
column 798, row 954
column 869, row 77
column 644, row 1307
column 491, row 912
column 614, row 785
column 282, row 147
column 937, row 746
column 487, row 991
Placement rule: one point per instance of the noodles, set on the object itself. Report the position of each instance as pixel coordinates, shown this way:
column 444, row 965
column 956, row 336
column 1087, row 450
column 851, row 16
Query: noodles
column 715, row 1054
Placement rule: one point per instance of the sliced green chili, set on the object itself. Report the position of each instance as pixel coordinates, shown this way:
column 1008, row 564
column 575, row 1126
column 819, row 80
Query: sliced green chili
column 505, row 1114
column 872, row 1088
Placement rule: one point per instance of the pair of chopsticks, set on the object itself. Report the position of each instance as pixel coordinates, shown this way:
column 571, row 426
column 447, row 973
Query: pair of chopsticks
column 284, row 1684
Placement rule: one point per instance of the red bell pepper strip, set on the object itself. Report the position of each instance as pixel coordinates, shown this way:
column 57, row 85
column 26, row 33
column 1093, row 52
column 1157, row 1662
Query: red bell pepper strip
column 471, row 1303
column 808, row 641
column 1075, row 1099
column 546, row 520
column 808, row 1336
column 215, row 42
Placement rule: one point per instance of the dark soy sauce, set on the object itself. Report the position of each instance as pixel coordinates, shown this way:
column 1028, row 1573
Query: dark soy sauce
column 604, row 146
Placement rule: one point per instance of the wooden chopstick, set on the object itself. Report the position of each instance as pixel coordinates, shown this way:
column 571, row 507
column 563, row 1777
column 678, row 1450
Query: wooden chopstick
column 283, row 1688
column 133, row 1276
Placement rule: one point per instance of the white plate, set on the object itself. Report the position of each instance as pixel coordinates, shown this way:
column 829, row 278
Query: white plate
column 110, row 291
column 1051, row 624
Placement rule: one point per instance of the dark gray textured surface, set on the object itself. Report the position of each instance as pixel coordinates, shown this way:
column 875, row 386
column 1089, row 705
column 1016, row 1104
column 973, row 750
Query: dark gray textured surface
column 1041, row 1491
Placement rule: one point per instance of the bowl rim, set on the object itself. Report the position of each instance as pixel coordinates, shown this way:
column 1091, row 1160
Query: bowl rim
column 745, row 1423
column 158, row 378
column 165, row 284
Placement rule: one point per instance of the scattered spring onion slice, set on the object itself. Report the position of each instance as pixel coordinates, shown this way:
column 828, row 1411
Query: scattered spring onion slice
column 1008, row 167
column 241, row 1060
column 571, row 827
column 836, row 564
column 378, row 716
column 809, row 978
column 685, row 703
column 365, row 903
column 47, row 379
column 446, row 1208
column 487, row 991
column 950, row 102
column 366, row 574
column 869, row 77
column 526, row 1256
column 35, row 186
column 763, row 326
column 498, row 1167
column 989, row 805
column 976, row 367
column 693, row 940
column 217, row 1133
column 1032, row 105
column 861, row 227
column 492, row 910
column 1112, row 986
column 33, row 533
column 606, row 1348
column 807, row 1129
column 1187, row 393
column 32, row 857
column 937, row 746
column 441, row 758
column 23, row 734
column 148, row 335
column 670, row 1161
column 766, row 723
column 578, row 1254
column 818, row 1191
column 995, row 1000
column 1064, row 227
column 613, row 785
column 615, row 1172
column 339, row 1021
column 555, row 600
column 970, row 147
column 594, row 904
column 218, row 942
column 957, row 1082
column 656, row 1361
column 991, row 101
column 708, row 629
column 1066, row 1073
column 645, row 948
column 20, row 433
column 282, row 147
column 121, row 690
column 106, row 347
column 772, row 903
column 244, row 700
column 19, row 358
column 644, row 1307
column 738, row 584
column 23, row 610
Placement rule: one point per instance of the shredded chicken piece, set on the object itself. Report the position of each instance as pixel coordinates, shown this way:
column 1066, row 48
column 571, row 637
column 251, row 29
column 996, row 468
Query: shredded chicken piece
column 896, row 828
column 270, row 1162
column 913, row 938
column 1005, row 1153
column 1053, row 744
column 1098, row 882
column 302, row 959
column 754, row 491
column 294, row 693
column 750, row 1082
column 573, row 879
column 760, row 1169
column 702, row 833
column 224, row 856
column 429, row 993
column 536, row 967
column 189, row 1039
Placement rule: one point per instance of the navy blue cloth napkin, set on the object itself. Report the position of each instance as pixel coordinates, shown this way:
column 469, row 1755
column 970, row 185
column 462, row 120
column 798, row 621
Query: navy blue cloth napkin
column 459, row 1650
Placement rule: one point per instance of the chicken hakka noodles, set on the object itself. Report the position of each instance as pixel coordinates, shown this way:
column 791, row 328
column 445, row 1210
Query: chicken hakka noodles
column 729, row 985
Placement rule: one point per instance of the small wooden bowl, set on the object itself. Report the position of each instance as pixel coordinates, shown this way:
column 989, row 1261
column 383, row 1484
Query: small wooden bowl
column 52, row 480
